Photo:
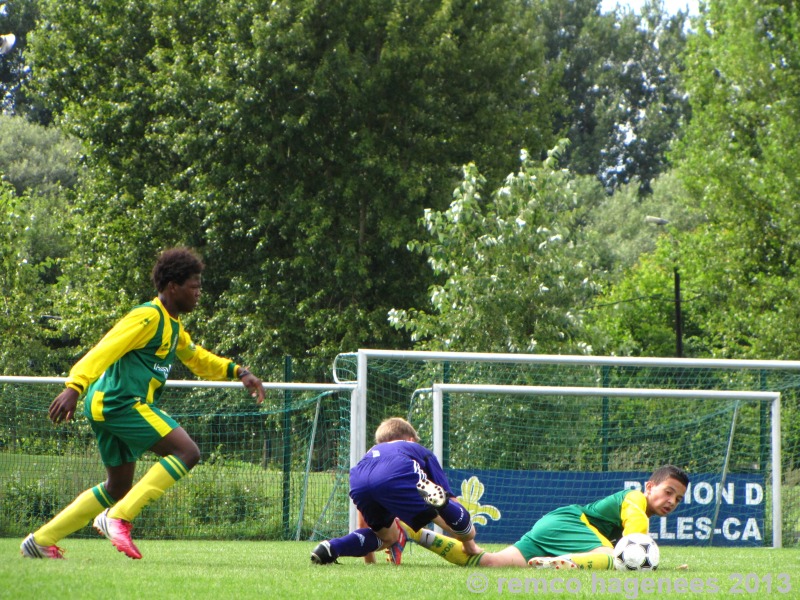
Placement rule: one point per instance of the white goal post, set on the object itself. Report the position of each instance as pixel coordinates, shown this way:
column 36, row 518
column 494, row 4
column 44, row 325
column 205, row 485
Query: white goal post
column 439, row 389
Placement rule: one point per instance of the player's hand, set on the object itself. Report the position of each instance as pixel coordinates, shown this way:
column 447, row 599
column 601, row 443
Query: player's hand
column 471, row 548
column 63, row 407
column 253, row 383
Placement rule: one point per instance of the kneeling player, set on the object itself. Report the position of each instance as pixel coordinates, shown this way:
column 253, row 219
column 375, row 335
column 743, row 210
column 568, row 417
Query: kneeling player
column 576, row 536
column 398, row 478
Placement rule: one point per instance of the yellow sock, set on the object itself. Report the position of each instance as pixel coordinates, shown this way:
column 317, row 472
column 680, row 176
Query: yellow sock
column 158, row 479
column 593, row 560
column 410, row 533
column 448, row 548
column 79, row 513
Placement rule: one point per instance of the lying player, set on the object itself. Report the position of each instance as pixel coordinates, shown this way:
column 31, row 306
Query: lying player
column 575, row 536
column 398, row 477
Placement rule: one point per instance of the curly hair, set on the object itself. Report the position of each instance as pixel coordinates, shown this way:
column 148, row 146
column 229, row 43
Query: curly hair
column 176, row 264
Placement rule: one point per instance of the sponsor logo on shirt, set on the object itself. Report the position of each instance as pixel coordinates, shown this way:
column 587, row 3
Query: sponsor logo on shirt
column 162, row 369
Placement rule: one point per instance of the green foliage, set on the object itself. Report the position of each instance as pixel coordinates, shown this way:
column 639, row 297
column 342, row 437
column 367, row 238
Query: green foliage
column 294, row 144
column 740, row 163
column 620, row 76
column 37, row 158
column 733, row 229
column 28, row 265
column 28, row 504
column 513, row 278
column 634, row 314
column 18, row 17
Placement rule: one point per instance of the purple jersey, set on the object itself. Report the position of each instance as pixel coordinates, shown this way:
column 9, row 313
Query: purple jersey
column 426, row 460
column 384, row 483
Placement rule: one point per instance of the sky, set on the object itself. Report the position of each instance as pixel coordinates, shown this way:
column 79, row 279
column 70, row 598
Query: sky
column 672, row 6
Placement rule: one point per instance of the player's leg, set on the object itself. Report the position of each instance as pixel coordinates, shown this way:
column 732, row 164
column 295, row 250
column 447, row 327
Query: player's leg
column 599, row 558
column 369, row 559
column 507, row 557
column 178, row 454
column 566, row 539
column 364, row 540
column 358, row 543
column 90, row 503
column 451, row 549
column 146, row 427
column 394, row 541
column 456, row 519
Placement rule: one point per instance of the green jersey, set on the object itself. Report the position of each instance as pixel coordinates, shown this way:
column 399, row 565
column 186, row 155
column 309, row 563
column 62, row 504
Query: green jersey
column 133, row 360
column 619, row 514
column 577, row 528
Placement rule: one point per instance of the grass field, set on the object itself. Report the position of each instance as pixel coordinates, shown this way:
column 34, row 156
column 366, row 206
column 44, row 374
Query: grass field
column 277, row 570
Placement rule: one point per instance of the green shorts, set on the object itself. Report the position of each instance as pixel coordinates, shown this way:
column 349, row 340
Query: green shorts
column 562, row 531
column 126, row 432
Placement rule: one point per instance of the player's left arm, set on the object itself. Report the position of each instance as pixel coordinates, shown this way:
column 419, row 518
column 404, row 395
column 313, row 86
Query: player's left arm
column 633, row 513
column 208, row 365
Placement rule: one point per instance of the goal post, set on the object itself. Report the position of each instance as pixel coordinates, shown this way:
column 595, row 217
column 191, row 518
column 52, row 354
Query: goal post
column 756, row 441
column 773, row 398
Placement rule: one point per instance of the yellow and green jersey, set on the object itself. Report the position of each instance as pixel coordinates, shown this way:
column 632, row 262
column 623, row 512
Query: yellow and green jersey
column 133, row 360
column 618, row 514
column 575, row 528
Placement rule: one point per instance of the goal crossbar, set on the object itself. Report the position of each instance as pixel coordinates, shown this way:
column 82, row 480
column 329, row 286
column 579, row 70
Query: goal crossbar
column 774, row 398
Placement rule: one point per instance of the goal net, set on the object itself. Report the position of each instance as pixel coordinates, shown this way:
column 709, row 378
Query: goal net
column 278, row 470
column 514, row 455
column 720, row 507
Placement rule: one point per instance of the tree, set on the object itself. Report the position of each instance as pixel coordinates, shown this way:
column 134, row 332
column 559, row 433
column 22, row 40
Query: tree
column 37, row 158
column 513, row 278
column 739, row 162
column 623, row 103
column 30, row 341
column 635, row 312
column 19, row 17
column 293, row 144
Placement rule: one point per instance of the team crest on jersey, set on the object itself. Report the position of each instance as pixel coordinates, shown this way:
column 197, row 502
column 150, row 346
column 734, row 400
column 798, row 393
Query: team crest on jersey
column 471, row 492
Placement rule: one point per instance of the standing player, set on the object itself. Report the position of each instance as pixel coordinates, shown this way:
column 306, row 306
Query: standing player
column 398, row 478
column 577, row 536
column 121, row 379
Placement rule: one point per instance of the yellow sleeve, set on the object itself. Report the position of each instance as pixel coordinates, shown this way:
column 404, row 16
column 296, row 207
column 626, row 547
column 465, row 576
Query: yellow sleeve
column 201, row 362
column 633, row 513
column 133, row 331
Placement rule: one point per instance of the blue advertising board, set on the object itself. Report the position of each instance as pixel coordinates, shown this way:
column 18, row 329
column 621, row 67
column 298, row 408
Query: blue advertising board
column 506, row 504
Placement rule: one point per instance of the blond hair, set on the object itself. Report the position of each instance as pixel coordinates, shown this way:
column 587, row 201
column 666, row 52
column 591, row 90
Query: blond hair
column 393, row 429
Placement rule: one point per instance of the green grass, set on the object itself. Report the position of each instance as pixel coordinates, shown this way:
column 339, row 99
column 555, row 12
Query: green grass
column 277, row 570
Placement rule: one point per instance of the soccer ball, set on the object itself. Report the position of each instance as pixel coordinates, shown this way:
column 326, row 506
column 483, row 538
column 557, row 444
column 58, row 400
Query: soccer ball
column 636, row 552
